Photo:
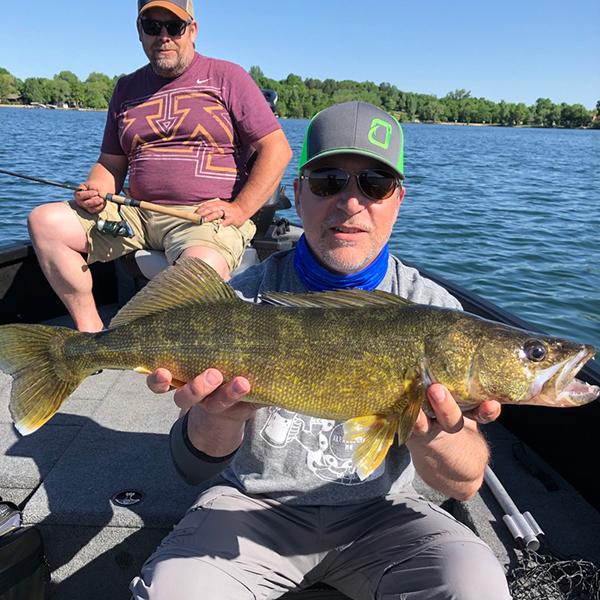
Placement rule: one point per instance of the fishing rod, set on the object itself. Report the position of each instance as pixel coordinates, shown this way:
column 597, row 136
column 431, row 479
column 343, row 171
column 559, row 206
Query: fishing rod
column 121, row 200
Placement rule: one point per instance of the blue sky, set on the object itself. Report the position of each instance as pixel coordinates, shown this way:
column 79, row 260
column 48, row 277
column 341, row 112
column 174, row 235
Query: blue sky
column 514, row 50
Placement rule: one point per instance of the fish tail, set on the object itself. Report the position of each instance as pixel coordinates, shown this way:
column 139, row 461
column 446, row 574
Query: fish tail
column 374, row 434
column 43, row 379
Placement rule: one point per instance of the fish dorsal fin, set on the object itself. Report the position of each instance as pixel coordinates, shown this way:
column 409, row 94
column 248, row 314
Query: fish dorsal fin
column 190, row 282
column 334, row 299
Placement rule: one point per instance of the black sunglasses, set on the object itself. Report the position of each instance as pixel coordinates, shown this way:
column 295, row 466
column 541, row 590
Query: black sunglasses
column 376, row 184
column 174, row 28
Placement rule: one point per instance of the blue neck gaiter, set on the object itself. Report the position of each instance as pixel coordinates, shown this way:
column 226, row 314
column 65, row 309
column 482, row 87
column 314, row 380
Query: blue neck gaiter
column 318, row 279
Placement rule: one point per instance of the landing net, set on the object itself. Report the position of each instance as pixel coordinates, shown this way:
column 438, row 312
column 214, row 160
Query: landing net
column 546, row 576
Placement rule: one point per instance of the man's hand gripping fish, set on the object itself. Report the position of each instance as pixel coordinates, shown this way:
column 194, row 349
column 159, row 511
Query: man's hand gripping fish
column 361, row 357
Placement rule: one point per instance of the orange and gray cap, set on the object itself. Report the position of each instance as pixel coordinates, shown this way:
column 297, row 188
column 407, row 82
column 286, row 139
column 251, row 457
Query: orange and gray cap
column 354, row 128
column 184, row 9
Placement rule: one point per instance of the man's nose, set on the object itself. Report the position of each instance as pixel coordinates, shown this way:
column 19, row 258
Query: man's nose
column 164, row 33
column 350, row 200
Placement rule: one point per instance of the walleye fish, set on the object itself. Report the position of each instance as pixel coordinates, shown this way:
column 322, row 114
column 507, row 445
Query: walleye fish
column 361, row 357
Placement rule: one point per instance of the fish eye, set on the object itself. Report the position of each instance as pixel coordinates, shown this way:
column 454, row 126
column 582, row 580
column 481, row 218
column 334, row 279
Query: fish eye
column 534, row 350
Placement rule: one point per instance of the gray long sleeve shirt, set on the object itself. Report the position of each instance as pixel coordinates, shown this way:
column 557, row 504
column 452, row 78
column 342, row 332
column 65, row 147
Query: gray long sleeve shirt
column 296, row 458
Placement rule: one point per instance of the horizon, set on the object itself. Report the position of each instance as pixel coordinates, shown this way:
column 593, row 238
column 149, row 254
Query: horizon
column 500, row 52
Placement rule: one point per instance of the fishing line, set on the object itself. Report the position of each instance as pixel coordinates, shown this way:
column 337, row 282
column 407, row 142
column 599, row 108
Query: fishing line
column 117, row 228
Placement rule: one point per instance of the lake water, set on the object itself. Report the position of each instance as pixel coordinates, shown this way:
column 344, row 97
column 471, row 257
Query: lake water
column 512, row 214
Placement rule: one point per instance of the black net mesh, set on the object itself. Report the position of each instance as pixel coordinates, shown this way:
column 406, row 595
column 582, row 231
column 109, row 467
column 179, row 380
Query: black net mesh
column 547, row 576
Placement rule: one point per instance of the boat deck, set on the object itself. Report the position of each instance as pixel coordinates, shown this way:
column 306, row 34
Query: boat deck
column 111, row 437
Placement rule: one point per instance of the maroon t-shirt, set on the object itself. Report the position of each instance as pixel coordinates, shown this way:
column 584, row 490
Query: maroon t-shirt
column 187, row 139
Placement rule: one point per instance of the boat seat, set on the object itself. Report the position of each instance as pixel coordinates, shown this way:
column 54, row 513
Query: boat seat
column 149, row 263
column 134, row 270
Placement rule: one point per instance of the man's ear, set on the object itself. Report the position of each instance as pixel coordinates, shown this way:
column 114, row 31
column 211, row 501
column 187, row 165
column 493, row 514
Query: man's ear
column 297, row 185
column 194, row 30
column 402, row 192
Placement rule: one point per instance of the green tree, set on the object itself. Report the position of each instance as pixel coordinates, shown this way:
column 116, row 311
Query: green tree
column 95, row 95
column 76, row 95
column 313, row 84
column 502, row 114
column 575, row 115
column 518, row 114
column 257, row 74
column 58, row 90
column 8, row 84
column 100, row 83
column 486, row 111
column 542, row 112
column 458, row 95
column 431, row 110
column 407, row 103
column 35, row 90
column 294, row 80
column 450, row 110
column 389, row 95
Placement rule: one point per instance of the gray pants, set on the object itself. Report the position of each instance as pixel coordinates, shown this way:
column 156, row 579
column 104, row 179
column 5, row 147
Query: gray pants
column 231, row 546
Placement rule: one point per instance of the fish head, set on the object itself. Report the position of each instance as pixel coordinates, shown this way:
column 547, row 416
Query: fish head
column 521, row 367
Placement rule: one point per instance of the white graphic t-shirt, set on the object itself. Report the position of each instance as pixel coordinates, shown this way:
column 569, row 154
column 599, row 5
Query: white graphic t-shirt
column 301, row 459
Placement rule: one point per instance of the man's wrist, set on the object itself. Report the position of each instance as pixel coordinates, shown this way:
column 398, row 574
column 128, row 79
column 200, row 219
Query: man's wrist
column 217, row 437
column 196, row 451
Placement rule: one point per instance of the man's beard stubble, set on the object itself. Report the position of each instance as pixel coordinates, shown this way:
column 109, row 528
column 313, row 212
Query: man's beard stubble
column 165, row 67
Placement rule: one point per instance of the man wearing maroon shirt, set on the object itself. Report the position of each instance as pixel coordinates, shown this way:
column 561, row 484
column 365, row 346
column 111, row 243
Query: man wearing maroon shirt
column 182, row 128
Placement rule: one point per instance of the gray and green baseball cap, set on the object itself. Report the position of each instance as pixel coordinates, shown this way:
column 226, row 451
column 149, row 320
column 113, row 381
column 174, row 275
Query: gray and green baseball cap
column 354, row 128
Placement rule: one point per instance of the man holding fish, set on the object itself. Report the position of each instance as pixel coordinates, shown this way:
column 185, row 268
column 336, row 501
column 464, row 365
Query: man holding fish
column 184, row 129
column 284, row 502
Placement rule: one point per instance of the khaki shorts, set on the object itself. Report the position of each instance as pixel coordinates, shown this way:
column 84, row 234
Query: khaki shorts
column 155, row 231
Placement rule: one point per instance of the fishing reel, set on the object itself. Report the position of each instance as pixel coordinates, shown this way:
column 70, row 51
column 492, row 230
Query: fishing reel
column 115, row 228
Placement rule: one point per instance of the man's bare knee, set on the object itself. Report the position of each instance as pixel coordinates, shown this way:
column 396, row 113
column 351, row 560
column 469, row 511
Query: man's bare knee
column 46, row 217
column 210, row 256
column 56, row 222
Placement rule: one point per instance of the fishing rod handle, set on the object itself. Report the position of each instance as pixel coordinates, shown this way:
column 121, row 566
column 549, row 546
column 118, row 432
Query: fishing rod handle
column 158, row 208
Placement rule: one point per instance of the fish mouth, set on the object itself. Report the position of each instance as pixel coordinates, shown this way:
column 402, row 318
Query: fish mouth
column 557, row 385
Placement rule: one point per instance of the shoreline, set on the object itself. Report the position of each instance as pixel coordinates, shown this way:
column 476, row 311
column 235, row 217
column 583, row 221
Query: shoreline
column 31, row 106
column 416, row 122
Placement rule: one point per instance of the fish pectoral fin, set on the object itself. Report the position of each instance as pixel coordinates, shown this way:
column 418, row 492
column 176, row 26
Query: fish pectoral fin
column 407, row 420
column 416, row 381
column 374, row 435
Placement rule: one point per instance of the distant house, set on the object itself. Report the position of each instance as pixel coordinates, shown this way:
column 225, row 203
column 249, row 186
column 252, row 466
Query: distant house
column 12, row 98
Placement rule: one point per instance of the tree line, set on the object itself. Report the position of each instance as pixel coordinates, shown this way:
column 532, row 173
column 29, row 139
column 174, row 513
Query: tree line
column 65, row 88
column 302, row 98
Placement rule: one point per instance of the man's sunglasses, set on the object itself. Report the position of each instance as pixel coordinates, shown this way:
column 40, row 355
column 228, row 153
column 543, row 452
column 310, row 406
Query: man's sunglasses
column 376, row 184
column 174, row 28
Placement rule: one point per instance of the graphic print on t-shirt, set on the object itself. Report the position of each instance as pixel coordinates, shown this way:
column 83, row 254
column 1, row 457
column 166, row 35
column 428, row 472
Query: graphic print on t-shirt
column 180, row 125
column 327, row 455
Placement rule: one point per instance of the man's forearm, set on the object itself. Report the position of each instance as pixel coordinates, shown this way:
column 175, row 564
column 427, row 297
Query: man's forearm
column 273, row 156
column 452, row 463
column 108, row 173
